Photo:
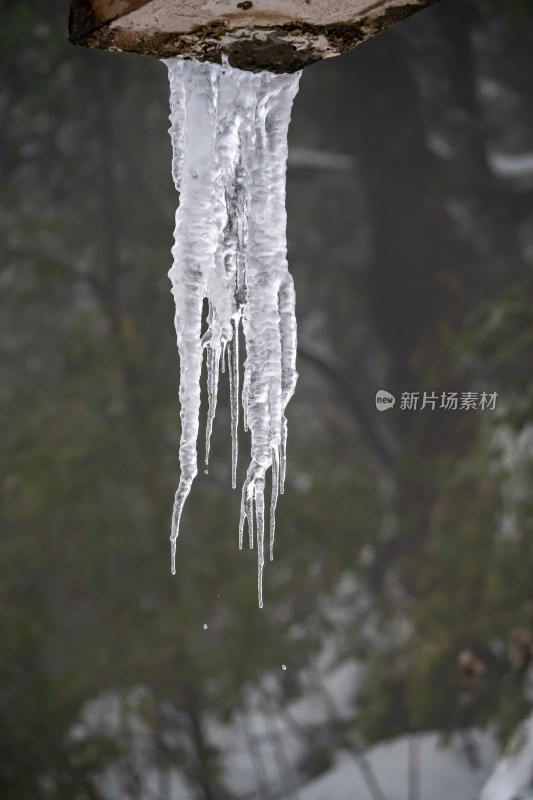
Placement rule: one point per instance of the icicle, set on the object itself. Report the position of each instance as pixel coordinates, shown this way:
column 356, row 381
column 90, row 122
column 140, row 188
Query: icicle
column 193, row 251
column 229, row 142
column 213, row 368
column 178, row 121
column 260, row 514
column 233, row 370
column 289, row 376
column 213, row 365
column 274, row 498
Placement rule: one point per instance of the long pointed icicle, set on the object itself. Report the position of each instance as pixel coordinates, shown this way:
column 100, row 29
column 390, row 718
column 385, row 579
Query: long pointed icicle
column 274, row 498
column 194, row 251
column 233, row 370
column 229, row 142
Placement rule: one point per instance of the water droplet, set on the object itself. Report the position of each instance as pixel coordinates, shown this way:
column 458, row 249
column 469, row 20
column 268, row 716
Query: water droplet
column 206, row 472
column 205, row 627
column 283, row 666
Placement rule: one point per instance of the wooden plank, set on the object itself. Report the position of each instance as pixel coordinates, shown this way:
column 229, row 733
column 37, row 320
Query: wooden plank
column 279, row 35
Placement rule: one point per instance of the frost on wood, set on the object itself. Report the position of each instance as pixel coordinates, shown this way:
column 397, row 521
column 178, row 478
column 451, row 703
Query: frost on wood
column 229, row 141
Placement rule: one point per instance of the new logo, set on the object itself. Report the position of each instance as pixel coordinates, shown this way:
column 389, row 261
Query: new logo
column 384, row 400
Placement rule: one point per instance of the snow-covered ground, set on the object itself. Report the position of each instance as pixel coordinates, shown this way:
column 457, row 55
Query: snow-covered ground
column 512, row 778
column 263, row 750
column 444, row 773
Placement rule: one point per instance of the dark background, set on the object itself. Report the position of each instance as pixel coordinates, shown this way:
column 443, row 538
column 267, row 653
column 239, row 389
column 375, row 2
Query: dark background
column 404, row 546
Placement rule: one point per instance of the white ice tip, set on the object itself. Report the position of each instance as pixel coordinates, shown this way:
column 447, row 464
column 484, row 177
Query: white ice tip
column 173, row 556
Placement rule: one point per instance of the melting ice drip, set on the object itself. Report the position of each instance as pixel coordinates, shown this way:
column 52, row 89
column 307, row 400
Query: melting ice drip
column 229, row 141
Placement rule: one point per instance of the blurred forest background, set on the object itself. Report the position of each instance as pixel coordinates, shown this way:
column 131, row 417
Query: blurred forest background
column 400, row 600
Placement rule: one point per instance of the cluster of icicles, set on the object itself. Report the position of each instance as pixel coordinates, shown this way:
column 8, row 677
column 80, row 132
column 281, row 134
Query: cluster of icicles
column 229, row 140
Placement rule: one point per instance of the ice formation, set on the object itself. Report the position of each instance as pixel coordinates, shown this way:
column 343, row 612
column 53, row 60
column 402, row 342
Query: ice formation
column 229, row 142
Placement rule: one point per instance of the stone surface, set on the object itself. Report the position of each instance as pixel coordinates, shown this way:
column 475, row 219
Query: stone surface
column 278, row 35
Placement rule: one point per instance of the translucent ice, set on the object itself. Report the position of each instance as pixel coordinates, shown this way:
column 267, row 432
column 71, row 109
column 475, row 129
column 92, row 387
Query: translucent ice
column 229, row 142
